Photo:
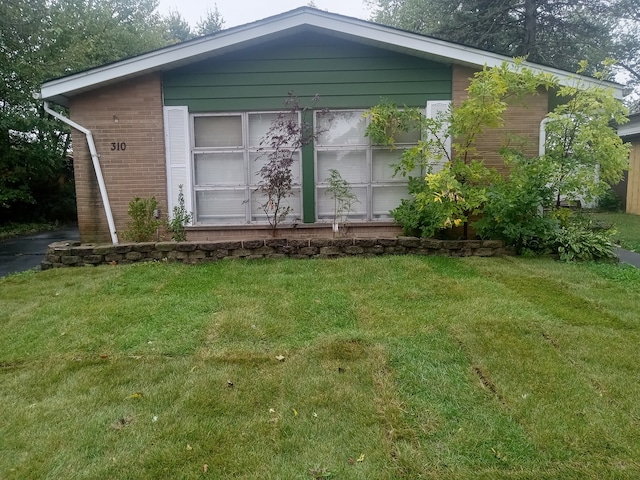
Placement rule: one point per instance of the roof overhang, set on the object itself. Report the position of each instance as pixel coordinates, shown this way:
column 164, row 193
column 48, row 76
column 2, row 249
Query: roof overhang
column 630, row 130
column 304, row 18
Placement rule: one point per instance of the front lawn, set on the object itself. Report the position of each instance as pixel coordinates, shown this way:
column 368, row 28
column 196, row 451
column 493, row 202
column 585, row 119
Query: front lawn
column 627, row 228
column 381, row 368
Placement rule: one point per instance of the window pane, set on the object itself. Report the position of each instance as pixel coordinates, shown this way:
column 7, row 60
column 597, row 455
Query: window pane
column 326, row 205
column 260, row 123
column 352, row 165
column 295, row 202
column 258, row 160
column 341, row 128
column 383, row 159
column 218, row 131
column 220, row 206
column 219, row 169
column 387, row 198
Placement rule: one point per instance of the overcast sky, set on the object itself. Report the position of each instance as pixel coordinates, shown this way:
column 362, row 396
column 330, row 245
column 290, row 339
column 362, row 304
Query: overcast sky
column 238, row 12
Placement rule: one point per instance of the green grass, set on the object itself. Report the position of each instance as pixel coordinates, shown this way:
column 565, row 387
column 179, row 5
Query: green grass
column 396, row 367
column 627, row 228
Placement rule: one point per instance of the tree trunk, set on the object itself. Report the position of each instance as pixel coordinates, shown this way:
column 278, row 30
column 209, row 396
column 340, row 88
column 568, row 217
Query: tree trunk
column 530, row 25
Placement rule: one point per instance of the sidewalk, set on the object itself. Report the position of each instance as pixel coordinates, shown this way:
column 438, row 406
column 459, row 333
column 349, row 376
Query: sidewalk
column 626, row 256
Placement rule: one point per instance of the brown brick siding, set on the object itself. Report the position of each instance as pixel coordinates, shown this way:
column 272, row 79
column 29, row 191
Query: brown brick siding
column 522, row 122
column 140, row 170
column 137, row 171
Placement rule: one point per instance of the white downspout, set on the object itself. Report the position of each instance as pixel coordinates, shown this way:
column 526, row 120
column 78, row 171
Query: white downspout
column 96, row 167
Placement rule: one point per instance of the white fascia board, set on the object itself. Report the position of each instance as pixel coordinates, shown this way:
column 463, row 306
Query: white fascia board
column 350, row 28
column 630, row 129
column 450, row 52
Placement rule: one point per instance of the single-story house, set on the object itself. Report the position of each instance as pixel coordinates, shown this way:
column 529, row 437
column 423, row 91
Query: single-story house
column 630, row 132
column 193, row 114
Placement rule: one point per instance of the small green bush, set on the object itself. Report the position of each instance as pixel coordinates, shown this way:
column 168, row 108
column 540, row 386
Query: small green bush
column 419, row 220
column 582, row 239
column 513, row 211
column 179, row 219
column 144, row 224
column 610, row 201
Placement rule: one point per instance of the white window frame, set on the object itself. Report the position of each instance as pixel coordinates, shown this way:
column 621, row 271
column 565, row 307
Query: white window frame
column 250, row 184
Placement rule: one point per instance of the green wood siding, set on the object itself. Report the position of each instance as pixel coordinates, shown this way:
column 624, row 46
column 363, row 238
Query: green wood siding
column 344, row 74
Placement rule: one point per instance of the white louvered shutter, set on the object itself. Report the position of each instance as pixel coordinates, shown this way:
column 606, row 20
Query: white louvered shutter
column 177, row 147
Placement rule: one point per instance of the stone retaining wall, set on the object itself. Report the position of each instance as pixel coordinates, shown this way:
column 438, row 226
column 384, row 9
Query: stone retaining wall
column 75, row 254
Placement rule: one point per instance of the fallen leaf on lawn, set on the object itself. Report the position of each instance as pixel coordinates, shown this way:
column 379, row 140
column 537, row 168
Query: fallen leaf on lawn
column 280, row 358
column 155, row 418
column 295, row 412
column 136, row 395
column 360, row 458
column 189, row 447
column 315, row 415
column 272, row 410
column 205, row 467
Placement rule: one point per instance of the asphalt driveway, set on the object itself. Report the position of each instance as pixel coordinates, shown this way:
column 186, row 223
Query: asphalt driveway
column 22, row 253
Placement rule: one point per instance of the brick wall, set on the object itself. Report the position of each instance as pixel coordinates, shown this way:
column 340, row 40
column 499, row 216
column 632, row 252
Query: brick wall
column 521, row 120
column 128, row 113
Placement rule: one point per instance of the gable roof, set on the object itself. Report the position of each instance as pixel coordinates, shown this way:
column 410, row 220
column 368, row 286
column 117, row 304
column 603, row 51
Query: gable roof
column 300, row 19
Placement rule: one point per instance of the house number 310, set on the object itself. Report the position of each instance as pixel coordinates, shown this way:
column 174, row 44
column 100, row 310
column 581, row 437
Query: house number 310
column 119, row 146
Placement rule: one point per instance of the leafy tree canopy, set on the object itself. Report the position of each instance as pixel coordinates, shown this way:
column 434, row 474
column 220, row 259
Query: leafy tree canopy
column 44, row 39
column 550, row 32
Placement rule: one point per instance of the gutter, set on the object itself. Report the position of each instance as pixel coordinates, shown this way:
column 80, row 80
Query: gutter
column 96, row 166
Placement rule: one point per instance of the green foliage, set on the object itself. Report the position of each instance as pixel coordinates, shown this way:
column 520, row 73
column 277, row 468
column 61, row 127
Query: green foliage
column 286, row 135
column 610, row 201
column 584, row 153
column 144, row 224
column 179, row 219
column 211, row 23
column 387, row 122
column 41, row 39
column 513, row 209
column 560, row 34
column 582, row 239
column 343, row 198
column 423, row 220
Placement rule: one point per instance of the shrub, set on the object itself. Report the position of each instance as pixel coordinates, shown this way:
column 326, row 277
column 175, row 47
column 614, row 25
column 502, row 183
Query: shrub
column 419, row 220
column 513, row 210
column 581, row 239
column 179, row 219
column 144, row 224
column 610, row 201
column 343, row 199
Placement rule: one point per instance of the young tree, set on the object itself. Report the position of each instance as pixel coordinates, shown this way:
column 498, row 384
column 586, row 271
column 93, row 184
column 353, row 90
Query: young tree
column 559, row 34
column 211, row 23
column 287, row 134
column 41, row 39
column 177, row 29
column 583, row 153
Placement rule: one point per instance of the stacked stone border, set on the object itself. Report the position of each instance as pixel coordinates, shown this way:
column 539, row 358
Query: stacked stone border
column 74, row 254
